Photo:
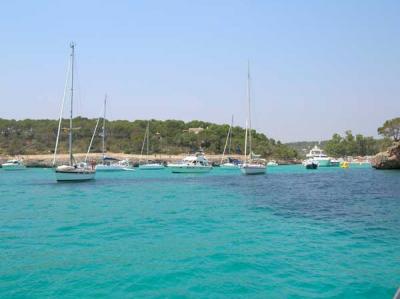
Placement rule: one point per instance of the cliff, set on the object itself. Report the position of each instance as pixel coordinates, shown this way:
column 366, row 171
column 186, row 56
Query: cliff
column 389, row 159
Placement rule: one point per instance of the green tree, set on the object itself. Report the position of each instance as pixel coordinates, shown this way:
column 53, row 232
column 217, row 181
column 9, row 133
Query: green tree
column 391, row 129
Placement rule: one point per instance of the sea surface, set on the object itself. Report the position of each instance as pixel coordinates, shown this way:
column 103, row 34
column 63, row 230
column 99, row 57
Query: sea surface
column 292, row 233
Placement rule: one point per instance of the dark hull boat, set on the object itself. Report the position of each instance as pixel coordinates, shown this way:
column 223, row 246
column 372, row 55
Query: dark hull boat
column 310, row 164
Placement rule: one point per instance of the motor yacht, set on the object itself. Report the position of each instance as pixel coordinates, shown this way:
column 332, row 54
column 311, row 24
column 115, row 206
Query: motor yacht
column 197, row 163
column 318, row 155
column 113, row 164
column 14, row 164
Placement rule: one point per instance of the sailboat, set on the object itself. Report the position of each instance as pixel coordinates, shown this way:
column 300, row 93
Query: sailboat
column 252, row 164
column 230, row 163
column 148, row 165
column 73, row 171
column 110, row 163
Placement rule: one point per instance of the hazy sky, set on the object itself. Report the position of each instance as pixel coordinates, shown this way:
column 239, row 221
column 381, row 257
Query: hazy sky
column 318, row 67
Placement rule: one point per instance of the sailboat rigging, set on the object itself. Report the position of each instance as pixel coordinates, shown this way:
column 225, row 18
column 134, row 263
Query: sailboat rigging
column 230, row 163
column 109, row 163
column 148, row 165
column 73, row 171
column 251, row 165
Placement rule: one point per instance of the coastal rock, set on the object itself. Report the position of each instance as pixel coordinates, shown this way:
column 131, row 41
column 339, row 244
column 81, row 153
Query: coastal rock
column 389, row 159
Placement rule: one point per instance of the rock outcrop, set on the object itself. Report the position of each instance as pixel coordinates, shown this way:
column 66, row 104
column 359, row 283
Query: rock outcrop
column 389, row 159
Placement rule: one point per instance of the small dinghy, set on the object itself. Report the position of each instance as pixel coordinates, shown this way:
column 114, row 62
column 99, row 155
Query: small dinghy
column 311, row 164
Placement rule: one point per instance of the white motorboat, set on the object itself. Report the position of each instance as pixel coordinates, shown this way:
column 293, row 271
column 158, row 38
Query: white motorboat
column 318, row 155
column 272, row 163
column 252, row 164
column 311, row 164
column 335, row 162
column 113, row 164
column 148, row 165
column 73, row 171
column 151, row 166
column 197, row 163
column 110, row 163
column 13, row 165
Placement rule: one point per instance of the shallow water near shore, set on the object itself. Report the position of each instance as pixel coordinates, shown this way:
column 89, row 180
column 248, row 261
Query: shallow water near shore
column 293, row 233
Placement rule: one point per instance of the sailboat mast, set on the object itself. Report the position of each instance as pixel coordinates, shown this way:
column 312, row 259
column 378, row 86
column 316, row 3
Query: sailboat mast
column 226, row 143
column 230, row 136
column 72, row 102
column 104, row 127
column 249, row 112
column 245, row 144
column 148, row 133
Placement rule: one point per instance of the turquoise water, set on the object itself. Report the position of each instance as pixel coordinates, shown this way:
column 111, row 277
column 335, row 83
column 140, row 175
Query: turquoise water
column 293, row 233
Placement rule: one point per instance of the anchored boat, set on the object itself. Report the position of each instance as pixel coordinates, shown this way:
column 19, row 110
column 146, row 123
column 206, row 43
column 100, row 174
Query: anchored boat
column 113, row 164
column 252, row 164
column 311, row 164
column 73, row 171
column 148, row 165
column 318, row 155
column 229, row 163
column 13, row 164
column 197, row 163
column 272, row 163
column 110, row 163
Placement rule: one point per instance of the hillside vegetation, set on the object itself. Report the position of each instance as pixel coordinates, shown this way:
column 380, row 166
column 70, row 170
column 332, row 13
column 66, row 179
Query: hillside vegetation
column 346, row 145
column 169, row 137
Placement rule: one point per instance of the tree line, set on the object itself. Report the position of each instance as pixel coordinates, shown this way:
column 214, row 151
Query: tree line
column 29, row 136
column 359, row 145
column 354, row 145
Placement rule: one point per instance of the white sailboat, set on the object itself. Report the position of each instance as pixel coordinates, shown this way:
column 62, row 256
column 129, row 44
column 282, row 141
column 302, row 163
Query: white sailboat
column 148, row 165
column 110, row 163
column 252, row 163
column 73, row 171
column 230, row 163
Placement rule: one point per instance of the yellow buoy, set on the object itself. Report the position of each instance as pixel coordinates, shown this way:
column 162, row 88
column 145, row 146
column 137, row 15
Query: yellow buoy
column 345, row 164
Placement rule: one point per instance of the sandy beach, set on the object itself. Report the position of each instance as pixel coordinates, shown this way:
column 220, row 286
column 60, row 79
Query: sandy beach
column 46, row 160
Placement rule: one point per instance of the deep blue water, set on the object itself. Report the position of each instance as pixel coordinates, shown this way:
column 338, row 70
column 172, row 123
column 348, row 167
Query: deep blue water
column 293, row 233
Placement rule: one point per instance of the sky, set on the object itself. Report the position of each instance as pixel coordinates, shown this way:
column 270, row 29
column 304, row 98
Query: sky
column 317, row 67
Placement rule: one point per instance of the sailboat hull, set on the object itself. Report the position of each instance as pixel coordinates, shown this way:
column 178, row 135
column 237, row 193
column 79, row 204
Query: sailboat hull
column 8, row 166
column 152, row 166
column 189, row 169
column 251, row 169
column 230, row 166
column 101, row 167
column 77, row 175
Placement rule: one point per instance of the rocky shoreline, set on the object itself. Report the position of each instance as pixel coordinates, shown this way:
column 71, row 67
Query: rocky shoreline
column 389, row 159
column 46, row 161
